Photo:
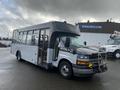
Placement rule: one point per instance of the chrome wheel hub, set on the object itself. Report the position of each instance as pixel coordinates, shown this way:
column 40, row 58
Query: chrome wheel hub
column 117, row 55
column 65, row 70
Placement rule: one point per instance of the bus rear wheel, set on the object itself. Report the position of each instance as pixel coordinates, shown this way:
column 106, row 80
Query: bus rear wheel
column 18, row 56
column 65, row 69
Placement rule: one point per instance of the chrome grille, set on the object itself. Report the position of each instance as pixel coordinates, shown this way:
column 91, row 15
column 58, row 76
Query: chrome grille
column 93, row 56
column 97, row 56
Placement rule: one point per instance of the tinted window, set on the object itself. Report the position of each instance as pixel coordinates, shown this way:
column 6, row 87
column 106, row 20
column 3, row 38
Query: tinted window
column 44, row 36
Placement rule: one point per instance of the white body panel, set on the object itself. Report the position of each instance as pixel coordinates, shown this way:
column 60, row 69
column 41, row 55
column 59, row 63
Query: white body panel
column 111, row 48
column 65, row 55
column 49, row 55
column 28, row 52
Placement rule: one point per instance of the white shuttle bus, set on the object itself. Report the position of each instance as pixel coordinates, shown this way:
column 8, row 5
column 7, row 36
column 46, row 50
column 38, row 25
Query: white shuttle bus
column 54, row 44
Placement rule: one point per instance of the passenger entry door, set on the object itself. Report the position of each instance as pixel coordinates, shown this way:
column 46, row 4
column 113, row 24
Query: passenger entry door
column 43, row 45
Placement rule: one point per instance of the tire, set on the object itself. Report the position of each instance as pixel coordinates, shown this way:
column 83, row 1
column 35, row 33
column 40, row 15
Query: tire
column 65, row 70
column 18, row 56
column 117, row 54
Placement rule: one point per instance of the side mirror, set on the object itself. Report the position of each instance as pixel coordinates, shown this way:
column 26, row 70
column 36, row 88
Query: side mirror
column 67, row 43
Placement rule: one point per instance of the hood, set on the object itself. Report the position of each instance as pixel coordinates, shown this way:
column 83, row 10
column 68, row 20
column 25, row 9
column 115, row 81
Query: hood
column 86, row 51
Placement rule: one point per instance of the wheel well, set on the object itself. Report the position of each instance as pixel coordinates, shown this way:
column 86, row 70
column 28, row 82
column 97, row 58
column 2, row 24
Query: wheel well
column 116, row 50
column 65, row 60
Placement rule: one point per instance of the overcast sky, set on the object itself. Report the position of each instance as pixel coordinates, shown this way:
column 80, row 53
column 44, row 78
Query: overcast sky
column 20, row 13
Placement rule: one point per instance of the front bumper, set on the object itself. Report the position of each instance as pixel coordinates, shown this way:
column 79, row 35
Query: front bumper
column 80, row 71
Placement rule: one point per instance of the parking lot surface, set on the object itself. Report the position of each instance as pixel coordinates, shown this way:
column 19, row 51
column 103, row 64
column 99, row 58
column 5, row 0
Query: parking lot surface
column 16, row 75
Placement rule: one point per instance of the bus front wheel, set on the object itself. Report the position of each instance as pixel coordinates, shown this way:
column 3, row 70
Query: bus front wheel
column 65, row 69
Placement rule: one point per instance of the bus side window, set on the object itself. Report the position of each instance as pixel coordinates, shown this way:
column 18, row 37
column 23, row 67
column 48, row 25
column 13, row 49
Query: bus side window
column 29, row 38
column 16, row 37
column 24, row 38
column 35, row 37
column 20, row 37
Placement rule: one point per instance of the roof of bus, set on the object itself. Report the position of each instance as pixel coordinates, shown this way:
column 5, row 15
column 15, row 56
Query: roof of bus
column 55, row 25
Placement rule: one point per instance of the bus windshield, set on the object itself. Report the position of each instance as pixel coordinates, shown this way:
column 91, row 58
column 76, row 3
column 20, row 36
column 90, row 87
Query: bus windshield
column 75, row 41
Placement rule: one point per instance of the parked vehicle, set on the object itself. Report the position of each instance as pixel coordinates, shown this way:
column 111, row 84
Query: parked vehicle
column 113, row 46
column 54, row 44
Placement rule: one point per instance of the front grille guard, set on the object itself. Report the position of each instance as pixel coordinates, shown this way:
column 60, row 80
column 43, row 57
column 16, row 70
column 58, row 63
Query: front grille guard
column 100, row 60
column 102, row 56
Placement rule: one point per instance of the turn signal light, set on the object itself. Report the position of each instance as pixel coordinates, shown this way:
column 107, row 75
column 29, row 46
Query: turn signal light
column 82, row 62
column 90, row 65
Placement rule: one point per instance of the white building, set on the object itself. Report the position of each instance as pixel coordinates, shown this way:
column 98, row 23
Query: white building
column 97, row 33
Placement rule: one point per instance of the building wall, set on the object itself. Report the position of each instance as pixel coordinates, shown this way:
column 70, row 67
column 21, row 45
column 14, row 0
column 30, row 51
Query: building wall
column 94, row 39
column 97, row 33
column 99, row 27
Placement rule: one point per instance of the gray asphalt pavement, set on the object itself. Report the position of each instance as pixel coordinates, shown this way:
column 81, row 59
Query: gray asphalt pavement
column 16, row 75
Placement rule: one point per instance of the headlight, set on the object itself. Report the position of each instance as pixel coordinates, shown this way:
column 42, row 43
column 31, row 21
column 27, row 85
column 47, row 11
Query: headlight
column 82, row 56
